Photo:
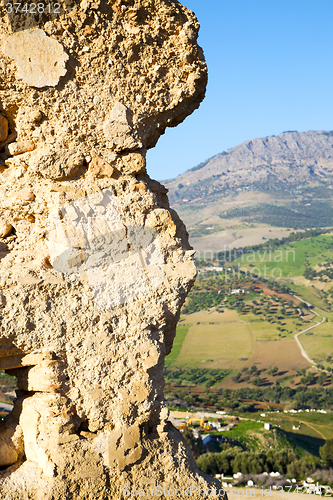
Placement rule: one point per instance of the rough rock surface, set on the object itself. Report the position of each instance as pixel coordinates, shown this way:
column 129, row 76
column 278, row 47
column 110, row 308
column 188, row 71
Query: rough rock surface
column 94, row 265
column 40, row 59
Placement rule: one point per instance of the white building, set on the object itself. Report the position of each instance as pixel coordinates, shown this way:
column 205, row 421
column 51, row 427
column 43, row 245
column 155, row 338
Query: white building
column 207, row 439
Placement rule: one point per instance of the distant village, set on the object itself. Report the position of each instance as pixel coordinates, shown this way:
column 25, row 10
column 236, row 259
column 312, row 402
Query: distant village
column 207, row 426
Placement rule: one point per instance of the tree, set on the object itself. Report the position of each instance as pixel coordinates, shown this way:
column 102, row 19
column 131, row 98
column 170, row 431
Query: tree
column 309, row 273
column 240, row 307
column 321, row 378
column 194, row 443
column 237, row 377
column 326, row 452
column 256, row 381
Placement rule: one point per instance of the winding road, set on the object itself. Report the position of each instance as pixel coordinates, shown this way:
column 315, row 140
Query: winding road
column 306, row 330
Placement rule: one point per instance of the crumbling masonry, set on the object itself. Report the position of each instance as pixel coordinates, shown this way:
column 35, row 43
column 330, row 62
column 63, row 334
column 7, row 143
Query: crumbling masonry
column 94, row 265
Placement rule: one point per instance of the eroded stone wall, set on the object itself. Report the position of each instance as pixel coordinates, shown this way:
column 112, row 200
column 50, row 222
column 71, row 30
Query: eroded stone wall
column 94, row 265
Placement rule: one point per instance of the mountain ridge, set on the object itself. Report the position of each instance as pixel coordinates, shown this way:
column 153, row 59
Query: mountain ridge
column 289, row 161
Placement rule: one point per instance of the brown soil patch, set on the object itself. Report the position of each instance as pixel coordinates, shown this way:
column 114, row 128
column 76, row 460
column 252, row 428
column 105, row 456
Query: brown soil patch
column 272, row 293
column 284, row 353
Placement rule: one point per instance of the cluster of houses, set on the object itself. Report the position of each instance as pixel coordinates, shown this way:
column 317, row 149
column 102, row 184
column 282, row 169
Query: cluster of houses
column 238, row 291
column 296, row 411
column 216, row 269
column 308, row 486
column 214, row 426
column 307, row 410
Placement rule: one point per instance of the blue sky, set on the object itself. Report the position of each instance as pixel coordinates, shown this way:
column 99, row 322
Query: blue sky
column 270, row 65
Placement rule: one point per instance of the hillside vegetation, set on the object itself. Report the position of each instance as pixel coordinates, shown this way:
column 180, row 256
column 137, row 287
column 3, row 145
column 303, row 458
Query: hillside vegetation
column 255, row 337
column 239, row 325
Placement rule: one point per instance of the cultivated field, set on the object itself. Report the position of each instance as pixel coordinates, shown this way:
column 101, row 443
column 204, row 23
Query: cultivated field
column 234, row 341
column 227, row 330
column 215, row 340
column 177, row 343
column 234, row 237
column 283, row 353
column 320, row 344
column 313, row 424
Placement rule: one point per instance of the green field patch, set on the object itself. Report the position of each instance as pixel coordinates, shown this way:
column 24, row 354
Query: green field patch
column 309, row 436
column 264, row 330
column 309, row 294
column 218, row 340
column 312, row 424
column 177, row 344
column 307, row 443
column 287, row 261
column 242, row 428
column 319, row 345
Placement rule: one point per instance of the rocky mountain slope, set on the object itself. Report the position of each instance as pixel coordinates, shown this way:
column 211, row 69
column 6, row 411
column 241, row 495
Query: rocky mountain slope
column 288, row 163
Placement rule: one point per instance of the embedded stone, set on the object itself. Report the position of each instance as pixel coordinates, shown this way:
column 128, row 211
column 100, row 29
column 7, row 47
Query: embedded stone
column 40, row 59
column 101, row 168
column 17, row 148
column 5, row 228
column 118, row 129
column 132, row 163
column 58, row 165
column 36, row 116
column 25, row 195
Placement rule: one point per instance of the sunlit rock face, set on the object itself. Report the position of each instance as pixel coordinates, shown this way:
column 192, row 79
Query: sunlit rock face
column 94, row 265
